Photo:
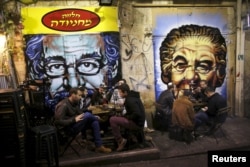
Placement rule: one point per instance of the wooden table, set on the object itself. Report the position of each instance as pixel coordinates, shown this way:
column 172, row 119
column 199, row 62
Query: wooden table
column 106, row 111
column 198, row 105
column 100, row 110
column 103, row 112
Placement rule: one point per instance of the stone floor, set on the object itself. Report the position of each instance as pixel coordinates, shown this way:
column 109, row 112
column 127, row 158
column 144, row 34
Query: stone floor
column 162, row 151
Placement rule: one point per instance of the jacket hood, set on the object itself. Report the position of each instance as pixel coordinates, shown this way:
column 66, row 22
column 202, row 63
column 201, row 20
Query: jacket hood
column 134, row 94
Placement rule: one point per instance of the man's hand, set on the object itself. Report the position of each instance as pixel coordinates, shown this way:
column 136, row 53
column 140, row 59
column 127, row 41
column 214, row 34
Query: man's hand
column 91, row 107
column 197, row 90
column 99, row 118
column 79, row 117
column 204, row 109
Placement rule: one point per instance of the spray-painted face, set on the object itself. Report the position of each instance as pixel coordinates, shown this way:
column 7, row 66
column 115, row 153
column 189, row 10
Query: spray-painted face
column 193, row 61
column 74, row 60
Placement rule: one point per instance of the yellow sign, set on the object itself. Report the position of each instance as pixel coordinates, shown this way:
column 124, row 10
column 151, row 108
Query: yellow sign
column 41, row 20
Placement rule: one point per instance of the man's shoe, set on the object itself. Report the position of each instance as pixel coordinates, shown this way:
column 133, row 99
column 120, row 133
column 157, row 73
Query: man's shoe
column 197, row 136
column 103, row 149
column 121, row 145
column 148, row 130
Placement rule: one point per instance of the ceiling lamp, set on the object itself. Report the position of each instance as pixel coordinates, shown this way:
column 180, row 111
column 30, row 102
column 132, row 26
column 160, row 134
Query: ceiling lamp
column 105, row 2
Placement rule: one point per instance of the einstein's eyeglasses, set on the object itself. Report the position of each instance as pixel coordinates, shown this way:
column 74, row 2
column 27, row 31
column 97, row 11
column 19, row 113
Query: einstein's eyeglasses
column 86, row 66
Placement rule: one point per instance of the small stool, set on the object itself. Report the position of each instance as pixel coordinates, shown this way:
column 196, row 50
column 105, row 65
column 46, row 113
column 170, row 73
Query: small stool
column 44, row 138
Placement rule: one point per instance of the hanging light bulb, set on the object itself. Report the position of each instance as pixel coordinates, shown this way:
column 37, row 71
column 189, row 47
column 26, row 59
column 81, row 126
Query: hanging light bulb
column 2, row 42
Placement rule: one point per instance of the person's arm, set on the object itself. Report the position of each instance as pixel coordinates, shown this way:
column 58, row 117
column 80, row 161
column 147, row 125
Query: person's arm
column 191, row 114
column 174, row 116
column 61, row 117
column 114, row 96
column 166, row 107
column 120, row 101
column 94, row 98
column 133, row 110
column 86, row 104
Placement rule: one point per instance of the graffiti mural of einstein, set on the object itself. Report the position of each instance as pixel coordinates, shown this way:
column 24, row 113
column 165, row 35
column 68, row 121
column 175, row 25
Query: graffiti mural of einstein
column 73, row 60
column 192, row 53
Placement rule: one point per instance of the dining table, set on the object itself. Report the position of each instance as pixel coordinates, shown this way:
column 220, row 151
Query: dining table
column 107, row 110
column 197, row 105
column 101, row 111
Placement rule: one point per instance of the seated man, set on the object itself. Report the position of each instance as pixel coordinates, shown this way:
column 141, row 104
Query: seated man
column 199, row 93
column 134, row 117
column 69, row 117
column 164, row 105
column 183, row 113
column 116, row 98
column 85, row 106
column 182, row 120
column 99, row 96
column 215, row 103
column 85, row 100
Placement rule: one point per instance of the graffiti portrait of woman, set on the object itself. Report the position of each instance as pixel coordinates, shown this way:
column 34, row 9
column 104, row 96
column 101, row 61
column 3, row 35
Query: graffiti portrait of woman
column 192, row 53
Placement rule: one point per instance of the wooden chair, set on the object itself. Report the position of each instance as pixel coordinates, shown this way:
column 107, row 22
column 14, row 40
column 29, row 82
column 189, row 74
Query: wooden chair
column 217, row 122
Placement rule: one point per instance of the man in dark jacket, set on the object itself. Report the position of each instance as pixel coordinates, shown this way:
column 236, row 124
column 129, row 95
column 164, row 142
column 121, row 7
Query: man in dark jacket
column 69, row 117
column 164, row 107
column 134, row 117
column 215, row 103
